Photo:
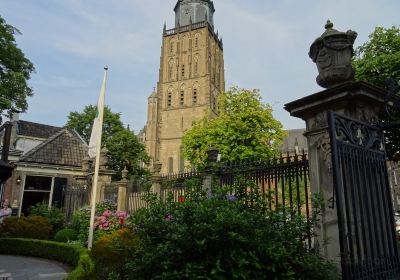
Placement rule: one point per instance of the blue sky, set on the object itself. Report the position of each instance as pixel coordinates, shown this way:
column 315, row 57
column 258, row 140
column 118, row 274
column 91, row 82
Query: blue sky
column 266, row 46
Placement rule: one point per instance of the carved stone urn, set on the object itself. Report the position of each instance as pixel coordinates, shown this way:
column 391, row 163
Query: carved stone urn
column 332, row 52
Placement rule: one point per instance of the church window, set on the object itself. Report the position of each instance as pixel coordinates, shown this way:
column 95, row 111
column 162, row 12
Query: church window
column 183, row 71
column 181, row 163
column 195, row 96
column 169, row 100
column 196, row 42
column 170, row 165
column 182, row 98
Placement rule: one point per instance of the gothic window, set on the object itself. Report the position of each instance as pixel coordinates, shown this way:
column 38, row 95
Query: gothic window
column 196, row 41
column 169, row 99
column 170, row 69
column 181, row 163
column 183, row 45
column 182, row 98
column 183, row 71
column 170, row 165
column 196, row 64
column 194, row 96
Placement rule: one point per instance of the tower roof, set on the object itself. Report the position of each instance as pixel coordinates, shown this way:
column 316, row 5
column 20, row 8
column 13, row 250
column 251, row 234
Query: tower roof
column 193, row 1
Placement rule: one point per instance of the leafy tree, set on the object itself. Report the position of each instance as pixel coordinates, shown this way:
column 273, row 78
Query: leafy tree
column 375, row 61
column 244, row 129
column 15, row 71
column 82, row 122
column 379, row 58
column 124, row 147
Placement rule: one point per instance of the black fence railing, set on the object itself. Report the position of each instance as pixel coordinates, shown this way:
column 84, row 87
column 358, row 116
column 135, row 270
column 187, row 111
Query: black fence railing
column 284, row 180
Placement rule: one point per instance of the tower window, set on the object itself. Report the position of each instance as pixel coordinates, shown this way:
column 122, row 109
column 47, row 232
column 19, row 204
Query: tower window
column 196, row 67
column 183, row 71
column 196, row 42
column 170, row 165
column 182, row 98
column 195, row 96
column 171, row 47
column 169, row 100
column 170, row 72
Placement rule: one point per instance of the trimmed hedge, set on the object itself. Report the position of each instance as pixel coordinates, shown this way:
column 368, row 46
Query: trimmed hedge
column 73, row 255
column 35, row 227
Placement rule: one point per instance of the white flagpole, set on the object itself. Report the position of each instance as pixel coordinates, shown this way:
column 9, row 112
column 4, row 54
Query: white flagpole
column 96, row 169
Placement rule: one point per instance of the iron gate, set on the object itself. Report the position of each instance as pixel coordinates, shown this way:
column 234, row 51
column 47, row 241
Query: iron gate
column 363, row 200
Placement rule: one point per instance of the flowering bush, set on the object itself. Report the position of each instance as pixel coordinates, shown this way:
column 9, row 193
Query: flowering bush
column 107, row 220
column 110, row 221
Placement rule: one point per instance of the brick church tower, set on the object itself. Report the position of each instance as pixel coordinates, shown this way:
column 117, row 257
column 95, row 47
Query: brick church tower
column 191, row 77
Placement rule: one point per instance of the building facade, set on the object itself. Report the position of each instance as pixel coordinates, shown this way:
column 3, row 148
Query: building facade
column 191, row 77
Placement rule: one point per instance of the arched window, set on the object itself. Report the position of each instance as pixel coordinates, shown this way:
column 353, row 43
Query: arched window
column 181, row 163
column 194, row 99
column 170, row 69
column 196, row 40
column 183, row 71
column 182, row 98
column 169, row 99
column 170, row 165
column 196, row 64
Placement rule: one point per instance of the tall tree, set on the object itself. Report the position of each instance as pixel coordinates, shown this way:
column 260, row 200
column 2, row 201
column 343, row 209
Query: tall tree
column 15, row 71
column 244, row 129
column 375, row 61
column 124, row 147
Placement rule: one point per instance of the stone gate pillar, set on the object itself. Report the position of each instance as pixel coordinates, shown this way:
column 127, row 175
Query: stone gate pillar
column 361, row 101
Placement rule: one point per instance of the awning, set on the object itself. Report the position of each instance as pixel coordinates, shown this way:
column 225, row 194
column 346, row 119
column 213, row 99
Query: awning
column 5, row 171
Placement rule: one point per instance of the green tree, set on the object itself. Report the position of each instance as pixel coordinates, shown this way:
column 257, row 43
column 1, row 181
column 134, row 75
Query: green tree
column 375, row 61
column 82, row 122
column 15, row 71
column 379, row 58
column 244, row 129
column 124, row 147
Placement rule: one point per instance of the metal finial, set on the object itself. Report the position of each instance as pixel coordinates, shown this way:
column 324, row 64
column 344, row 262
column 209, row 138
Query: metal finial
column 329, row 24
column 106, row 67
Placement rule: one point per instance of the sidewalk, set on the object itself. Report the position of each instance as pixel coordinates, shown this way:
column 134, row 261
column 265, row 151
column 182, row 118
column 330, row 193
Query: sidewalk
column 22, row 268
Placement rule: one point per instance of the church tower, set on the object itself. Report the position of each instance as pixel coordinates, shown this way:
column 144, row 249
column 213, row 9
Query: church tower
column 191, row 77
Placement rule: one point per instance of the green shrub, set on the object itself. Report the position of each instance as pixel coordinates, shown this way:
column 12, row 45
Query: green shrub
column 66, row 235
column 26, row 227
column 55, row 215
column 73, row 255
column 221, row 236
column 110, row 252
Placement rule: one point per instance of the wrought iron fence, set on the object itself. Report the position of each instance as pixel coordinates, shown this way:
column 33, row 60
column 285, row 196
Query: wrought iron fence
column 284, row 180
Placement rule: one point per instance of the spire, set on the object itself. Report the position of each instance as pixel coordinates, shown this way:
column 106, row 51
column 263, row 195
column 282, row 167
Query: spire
column 165, row 28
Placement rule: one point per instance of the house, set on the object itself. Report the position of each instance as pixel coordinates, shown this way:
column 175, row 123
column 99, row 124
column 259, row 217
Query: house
column 46, row 160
